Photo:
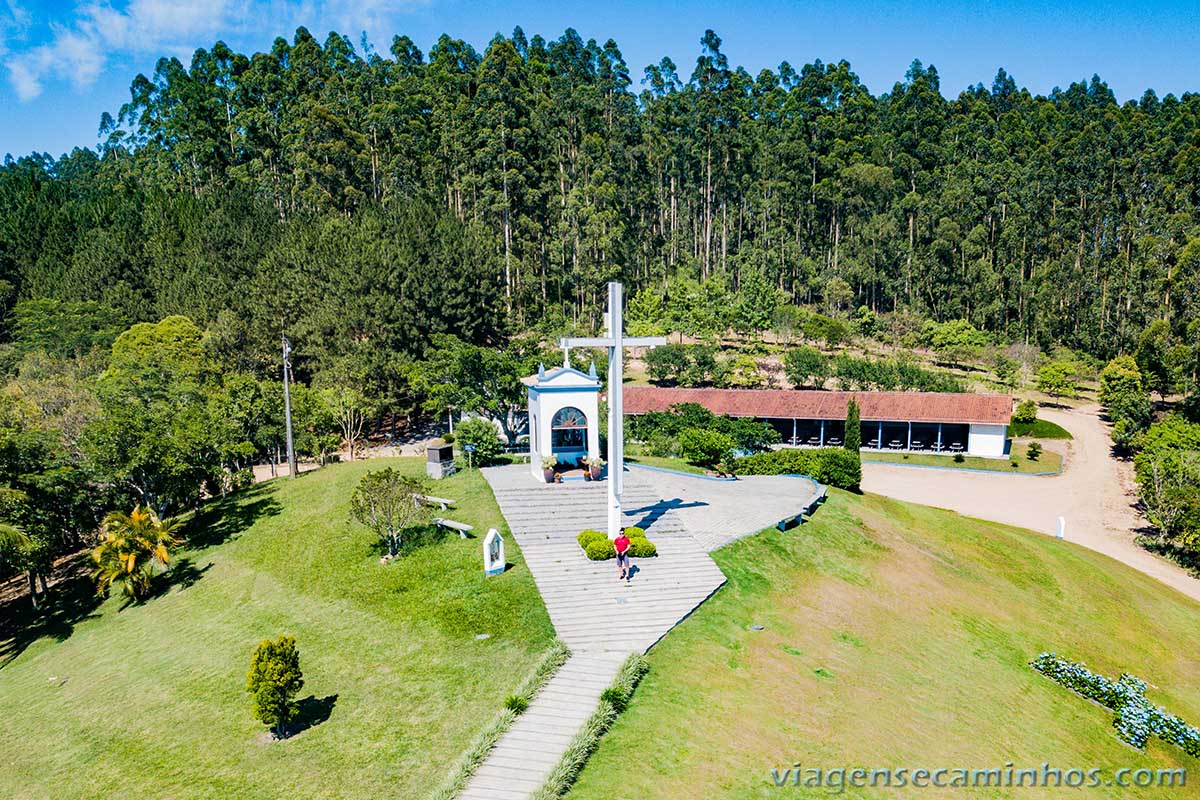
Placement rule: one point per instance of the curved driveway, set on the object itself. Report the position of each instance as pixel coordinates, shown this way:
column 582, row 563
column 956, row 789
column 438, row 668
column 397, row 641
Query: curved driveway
column 1094, row 494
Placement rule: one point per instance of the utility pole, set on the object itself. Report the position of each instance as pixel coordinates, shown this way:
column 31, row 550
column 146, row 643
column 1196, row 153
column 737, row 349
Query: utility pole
column 287, row 405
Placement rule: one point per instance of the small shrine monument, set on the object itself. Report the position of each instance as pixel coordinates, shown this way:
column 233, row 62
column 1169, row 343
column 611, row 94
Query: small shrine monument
column 564, row 415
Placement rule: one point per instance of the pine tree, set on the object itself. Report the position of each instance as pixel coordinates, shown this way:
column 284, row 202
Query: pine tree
column 852, row 441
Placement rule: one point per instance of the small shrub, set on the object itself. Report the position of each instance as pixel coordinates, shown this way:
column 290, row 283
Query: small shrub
column 516, row 704
column 600, row 550
column 1015, row 464
column 634, row 532
column 1025, row 414
column 705, row 447
column 642, row 548
column 587, row 537
column 448, row 438
column 958, row 458
column 273, row 681
column 615, row 697
column 830, row 465
column 483, row 435
column 1033, row 451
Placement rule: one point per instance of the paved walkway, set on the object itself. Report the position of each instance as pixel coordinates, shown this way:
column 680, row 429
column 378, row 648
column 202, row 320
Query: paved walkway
column 717, row 512
column 601, row 618
column 1094, row 494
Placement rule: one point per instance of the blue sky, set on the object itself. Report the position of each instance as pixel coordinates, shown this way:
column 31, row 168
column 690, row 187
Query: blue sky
column 64, row 63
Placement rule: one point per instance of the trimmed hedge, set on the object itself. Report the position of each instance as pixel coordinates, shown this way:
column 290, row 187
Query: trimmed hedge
column 587, row 537
column 1135, row 719
column 834, row 466
column 642, row 548
column 598, row 547
column 600, row 550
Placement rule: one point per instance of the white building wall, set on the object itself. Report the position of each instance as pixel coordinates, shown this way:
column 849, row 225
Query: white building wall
column 987, row 440
column 546, row 399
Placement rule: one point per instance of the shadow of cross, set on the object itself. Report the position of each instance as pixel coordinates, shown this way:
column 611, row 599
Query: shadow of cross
column 655, row 511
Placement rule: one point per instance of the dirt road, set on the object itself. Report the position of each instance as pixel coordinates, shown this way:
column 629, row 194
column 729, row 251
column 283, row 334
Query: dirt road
column 1094, row 494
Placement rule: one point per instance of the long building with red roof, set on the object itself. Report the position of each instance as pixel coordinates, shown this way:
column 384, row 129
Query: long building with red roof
column 974, row 424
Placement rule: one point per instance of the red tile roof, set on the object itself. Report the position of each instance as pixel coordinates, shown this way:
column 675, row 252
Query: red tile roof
column 994, row 409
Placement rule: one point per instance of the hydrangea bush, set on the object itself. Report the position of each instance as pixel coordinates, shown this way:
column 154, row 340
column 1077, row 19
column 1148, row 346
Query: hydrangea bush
column 1134, row 718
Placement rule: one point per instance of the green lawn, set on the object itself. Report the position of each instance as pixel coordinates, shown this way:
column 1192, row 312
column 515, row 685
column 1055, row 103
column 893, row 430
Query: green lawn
column 149, row 701
column 898, row 636
column 1047, row 462
column 1038, row 429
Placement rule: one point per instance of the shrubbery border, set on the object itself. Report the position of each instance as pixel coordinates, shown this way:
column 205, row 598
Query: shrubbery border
column 613, row 701
column 1134, row 719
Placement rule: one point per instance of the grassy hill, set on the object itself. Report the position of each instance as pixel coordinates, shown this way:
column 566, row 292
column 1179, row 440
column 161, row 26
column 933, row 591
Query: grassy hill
column 898, row 636
column 149, row 701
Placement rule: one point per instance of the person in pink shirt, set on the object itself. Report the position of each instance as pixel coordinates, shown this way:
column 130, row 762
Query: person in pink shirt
column 621, row 545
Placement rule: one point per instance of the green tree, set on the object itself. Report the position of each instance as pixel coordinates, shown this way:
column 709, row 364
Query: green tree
column 274, row 680
column 805, row 365
column 482, row 435
column 390, row 503
column 1057, row 379
column 853, row 439
column 757, row 301
column 705, row 447
column 131, row 546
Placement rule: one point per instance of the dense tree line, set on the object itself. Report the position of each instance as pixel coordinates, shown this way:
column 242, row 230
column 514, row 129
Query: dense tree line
column 268, row 191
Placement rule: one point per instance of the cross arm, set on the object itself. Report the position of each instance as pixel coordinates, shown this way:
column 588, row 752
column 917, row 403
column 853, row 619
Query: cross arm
column 586, row 341
column 643, row 341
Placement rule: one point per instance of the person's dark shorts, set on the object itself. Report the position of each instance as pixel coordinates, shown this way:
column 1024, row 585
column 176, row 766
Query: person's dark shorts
column 623, row 559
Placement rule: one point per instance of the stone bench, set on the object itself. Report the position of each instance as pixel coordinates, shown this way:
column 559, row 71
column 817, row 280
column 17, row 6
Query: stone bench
column 441, row 502
column 462, row 527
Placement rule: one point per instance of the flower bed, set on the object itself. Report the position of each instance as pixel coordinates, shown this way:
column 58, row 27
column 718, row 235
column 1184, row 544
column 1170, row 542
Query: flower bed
column 1135, row 719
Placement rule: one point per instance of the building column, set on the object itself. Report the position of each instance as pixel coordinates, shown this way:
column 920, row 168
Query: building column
column 880, row 439
column 909, row 437
column 794, row 442
column 939, row 444
column 822, row 433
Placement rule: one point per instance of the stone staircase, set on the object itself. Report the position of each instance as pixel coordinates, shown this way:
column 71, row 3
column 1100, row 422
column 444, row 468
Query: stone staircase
column 602, row 619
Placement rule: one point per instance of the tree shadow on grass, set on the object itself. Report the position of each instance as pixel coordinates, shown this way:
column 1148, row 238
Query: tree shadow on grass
column 225, row 519
column 311, row 713
column 413, row 539
column 71, row 600
column 183, row 573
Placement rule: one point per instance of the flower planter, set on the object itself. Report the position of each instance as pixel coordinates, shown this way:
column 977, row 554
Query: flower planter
column 548, row 475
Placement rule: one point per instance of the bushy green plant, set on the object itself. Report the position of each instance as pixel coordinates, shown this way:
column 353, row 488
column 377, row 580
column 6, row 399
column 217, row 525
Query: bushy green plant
column 615, row 696
column 959, row 458
column 642, row 548
column 516, row 703
column 600, row 550
column 448, row 438
column 634, row 532
column 587, row 537
column 483, row 435
column 1034, row 451
column 705, row 447
column 1025, row 413
column 274, row 679
column 833, row 466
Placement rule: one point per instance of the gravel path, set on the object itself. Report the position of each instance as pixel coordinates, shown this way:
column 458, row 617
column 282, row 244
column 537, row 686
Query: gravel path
column 1094, row 494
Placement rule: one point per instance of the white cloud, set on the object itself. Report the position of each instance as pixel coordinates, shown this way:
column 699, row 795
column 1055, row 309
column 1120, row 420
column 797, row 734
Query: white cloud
column 78, row 51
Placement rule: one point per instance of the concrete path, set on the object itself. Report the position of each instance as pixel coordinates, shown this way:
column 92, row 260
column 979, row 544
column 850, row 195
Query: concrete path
column 717, row 512
column 1094, row 494
column 600, row 618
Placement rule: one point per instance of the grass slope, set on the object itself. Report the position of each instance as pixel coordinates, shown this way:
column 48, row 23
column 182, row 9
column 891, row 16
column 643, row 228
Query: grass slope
column 898, row 635
column 149, row 701
column 1038, row 429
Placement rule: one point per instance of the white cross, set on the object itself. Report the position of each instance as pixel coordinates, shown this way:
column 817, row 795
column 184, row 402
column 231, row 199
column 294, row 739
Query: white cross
column 616, row 342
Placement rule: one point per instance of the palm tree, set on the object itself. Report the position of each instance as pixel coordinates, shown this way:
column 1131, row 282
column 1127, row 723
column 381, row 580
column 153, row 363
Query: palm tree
column 11, row 535
column 130, row 547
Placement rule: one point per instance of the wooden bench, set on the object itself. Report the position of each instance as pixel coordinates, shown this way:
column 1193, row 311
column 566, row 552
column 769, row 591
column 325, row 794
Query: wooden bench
column 441, row 502
column 462, row 527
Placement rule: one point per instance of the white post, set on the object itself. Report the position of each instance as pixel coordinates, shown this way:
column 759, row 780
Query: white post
column 1062, row 528
column 616, row 450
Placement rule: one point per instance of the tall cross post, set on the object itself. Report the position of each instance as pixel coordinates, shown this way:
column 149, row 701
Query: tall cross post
column 616, row 342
